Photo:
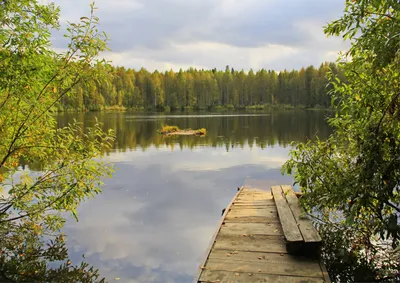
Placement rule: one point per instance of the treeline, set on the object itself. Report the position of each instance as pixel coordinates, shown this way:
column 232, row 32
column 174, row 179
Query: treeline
column 202, row 89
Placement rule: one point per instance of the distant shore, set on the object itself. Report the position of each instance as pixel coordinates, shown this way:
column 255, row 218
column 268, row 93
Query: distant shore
column 258, row 108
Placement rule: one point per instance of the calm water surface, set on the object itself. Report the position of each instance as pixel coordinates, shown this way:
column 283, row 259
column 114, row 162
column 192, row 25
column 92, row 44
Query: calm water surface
column 157, row 214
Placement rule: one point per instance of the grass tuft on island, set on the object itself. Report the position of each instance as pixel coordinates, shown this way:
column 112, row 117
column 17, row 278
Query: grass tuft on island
column 175, row 131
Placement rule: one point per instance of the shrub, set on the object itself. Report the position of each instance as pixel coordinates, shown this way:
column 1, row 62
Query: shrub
column 169, row 129
column 201, row 132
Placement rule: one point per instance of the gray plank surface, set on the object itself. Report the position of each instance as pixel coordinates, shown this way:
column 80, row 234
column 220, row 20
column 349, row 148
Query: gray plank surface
column 276, row 268
column 268, row 212
column 244, row 229
column 250, row 244
column 289, row 224
column 305, row 225
column 271, row 263
column 255, row 243
column 222, row 276
column 252, row 219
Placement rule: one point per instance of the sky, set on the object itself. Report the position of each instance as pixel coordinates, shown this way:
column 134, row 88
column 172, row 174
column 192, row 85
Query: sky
column 244, row 34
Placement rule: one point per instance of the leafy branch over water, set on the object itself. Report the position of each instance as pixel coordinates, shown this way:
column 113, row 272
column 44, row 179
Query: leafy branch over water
column 355, row 174
column 33, row 79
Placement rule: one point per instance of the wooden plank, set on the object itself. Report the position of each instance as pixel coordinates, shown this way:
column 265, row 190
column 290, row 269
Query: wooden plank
column 305, row 225
column 252, row 190
column 239, row 229
column 253, row 212
column 231, row 254
column 325, row 273
column 255, row 194
column 264, row 267
column 271, row 263
column 213, row 238
column 254, row 207
column 251, row 206
column 266, row 203
column 249, row 244
column 265, row 196
column 252, row 196
column 252, row 199
column 257, row 243
column 289, row 225
column 222, row 276
column 252, row 219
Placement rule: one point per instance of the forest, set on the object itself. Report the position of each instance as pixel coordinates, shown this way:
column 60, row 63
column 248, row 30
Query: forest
column 121, row 89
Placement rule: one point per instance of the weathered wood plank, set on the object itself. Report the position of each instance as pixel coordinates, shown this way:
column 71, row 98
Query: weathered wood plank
column 263, row 203
column 259, row 194
column 257, row 243
column 261, row 266
column 289, row 225
column 253, row 199
column 325, row 273
column 253, row 212
column 256, row 194
column 222, row 276
column 265, row 196
column 249, row 189
column 305, row 225
column 250, row 246
column 252, row 219
column 251, row 206
column 231, row 254
column 239, row 229
column 271, row 263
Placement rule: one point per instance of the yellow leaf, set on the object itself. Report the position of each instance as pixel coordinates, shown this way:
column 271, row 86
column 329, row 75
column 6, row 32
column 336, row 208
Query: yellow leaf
column 54, row 89
column 358, row 97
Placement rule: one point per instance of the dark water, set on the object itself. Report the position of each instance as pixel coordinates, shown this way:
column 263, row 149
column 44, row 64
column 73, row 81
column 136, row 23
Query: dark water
column 157, row 214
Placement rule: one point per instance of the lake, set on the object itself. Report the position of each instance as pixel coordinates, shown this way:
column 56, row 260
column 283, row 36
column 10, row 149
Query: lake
column 156, row 216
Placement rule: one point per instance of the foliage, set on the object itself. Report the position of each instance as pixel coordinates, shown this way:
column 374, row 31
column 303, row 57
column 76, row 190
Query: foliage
column 169, row 129
column 351, row 181
column 115, row 108
column 204, row 89
column 175, row 129
column 201, row 132
column 33, row 79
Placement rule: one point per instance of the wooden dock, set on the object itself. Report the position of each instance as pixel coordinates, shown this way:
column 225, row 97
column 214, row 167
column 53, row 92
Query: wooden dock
column 263, row 237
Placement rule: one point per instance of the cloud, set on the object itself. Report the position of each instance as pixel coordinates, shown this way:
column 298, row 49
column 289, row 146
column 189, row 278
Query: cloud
column 164, row 34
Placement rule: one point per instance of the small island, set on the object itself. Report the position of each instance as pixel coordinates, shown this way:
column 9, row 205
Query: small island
column 175, row 131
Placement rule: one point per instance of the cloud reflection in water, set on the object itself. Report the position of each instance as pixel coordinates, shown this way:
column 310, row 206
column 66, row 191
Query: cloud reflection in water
column 157, row 214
